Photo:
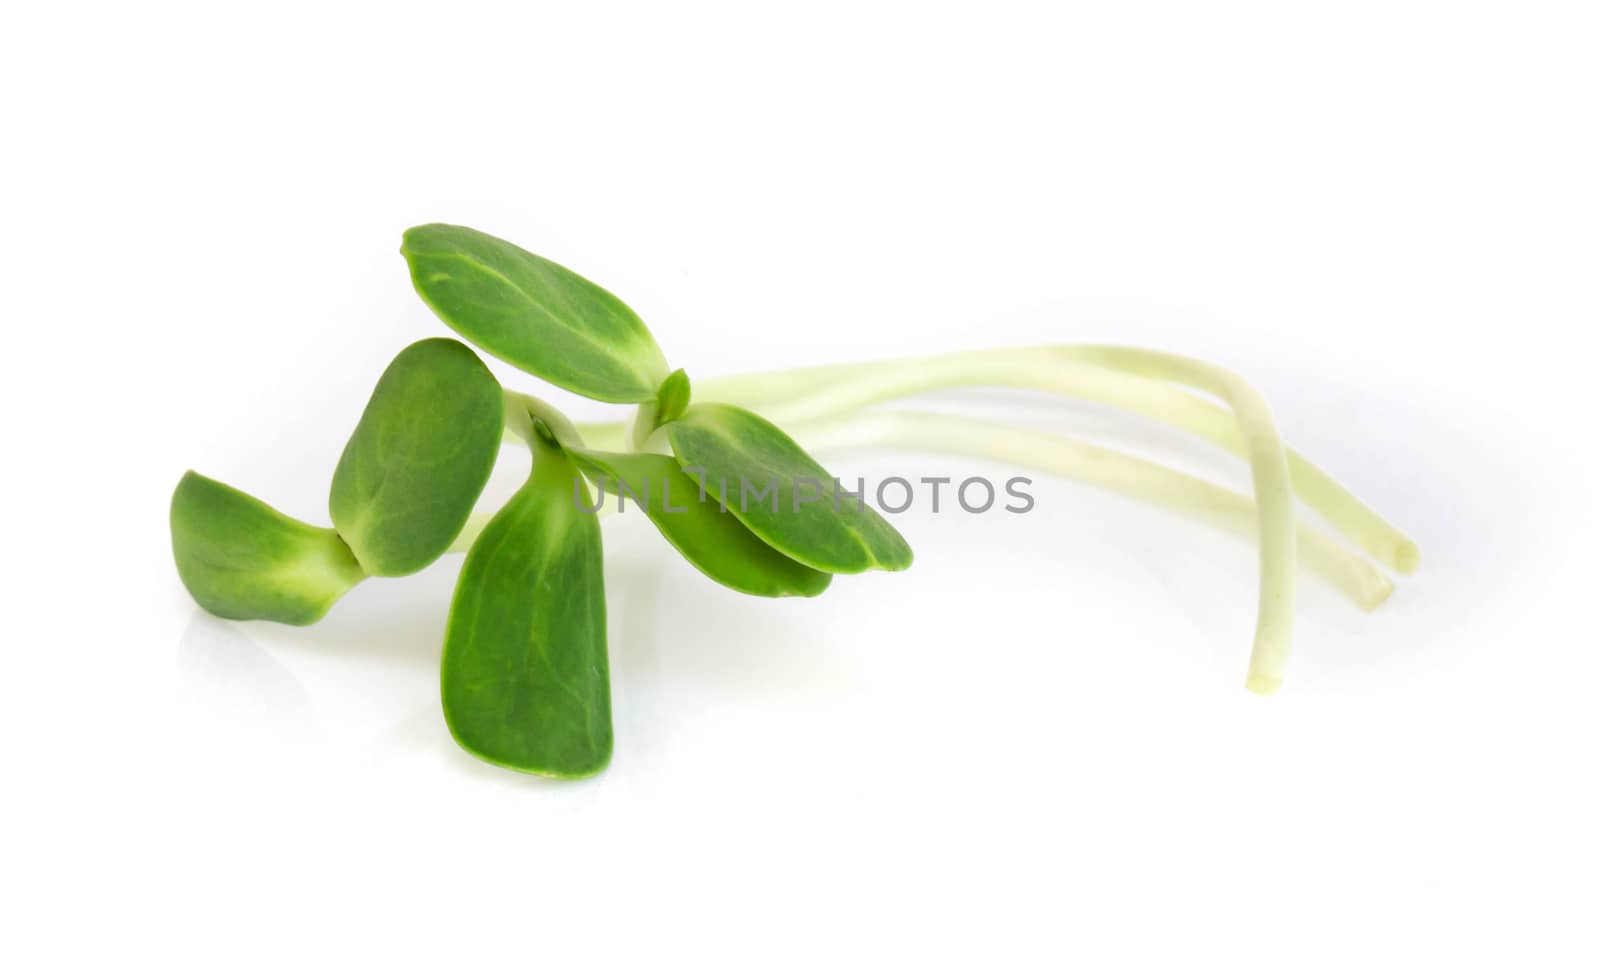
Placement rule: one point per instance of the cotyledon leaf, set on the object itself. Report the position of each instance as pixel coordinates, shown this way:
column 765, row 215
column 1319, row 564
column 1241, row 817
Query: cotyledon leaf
column 713, row 541
column 419, row 457
column 781, row 494
column 241, row 559
column 524, row 679
column 534, row 314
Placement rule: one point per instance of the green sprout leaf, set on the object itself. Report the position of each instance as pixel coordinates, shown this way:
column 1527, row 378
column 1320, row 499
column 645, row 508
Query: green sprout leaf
column 713, row 541
column 672, row 398
column 524, row 678
column 534, row 314
column 241, row 559
column 419, row 457
column 670, row 401
column 781, row 494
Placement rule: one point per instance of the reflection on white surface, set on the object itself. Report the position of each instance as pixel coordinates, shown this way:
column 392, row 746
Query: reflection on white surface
column 680, row 647
column 219, row 664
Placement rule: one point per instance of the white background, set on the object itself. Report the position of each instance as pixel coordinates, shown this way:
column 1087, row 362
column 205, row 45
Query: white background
column 1032, row 754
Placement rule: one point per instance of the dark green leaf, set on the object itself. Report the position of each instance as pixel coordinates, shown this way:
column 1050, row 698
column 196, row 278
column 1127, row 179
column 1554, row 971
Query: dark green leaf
column 534, row 314
column 782, row 494
column 419, row 458
column 241, row 559
column 524, row 678
column 715, row 542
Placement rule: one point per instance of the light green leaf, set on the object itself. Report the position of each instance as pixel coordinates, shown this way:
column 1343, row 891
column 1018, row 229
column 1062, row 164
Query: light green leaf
column 241, row 559
column 715, row 542
column 419, row 457
column 534, row 314
column 673, row 397
column 524, row 678
column 782, row 494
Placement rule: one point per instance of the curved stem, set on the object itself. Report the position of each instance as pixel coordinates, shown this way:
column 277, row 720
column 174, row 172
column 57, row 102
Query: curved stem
column 1355, row 577
column 522, row 408
column 1269, row 471
column 1078, row 372
column 840, row 388
column 610, row 437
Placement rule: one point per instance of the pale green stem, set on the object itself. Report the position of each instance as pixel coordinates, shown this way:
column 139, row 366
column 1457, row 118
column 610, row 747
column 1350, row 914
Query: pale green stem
column 521, row 408
column 1269, row 471
column 518, row 417
column 643, row 425
column 1079, row 372
column 828, row 391
column 1355, row 577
